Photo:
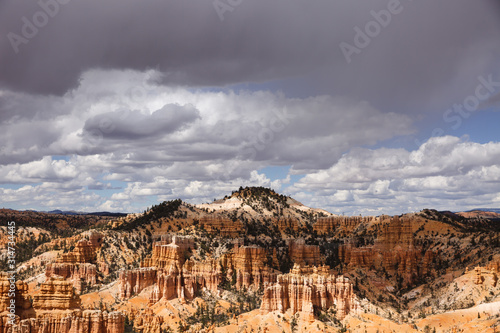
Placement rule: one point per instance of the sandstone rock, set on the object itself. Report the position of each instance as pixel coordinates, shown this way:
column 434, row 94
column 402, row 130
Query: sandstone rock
column 185, row 282
column 220, row 226
column 175, row 277
column 77, row 266
column 84, row 252
column 488, row 273
column 248, row 263
column 79, row 275
column 56, row 294
column 56, row 309
column 303, row 254
column 394, row 250
column 170, row 272
column 88, row 321
column 19, row 289
column 287, row 223
column 306, row 288
column 330, row 224
column 132, row 282
column 168, row 252
column 146, row 321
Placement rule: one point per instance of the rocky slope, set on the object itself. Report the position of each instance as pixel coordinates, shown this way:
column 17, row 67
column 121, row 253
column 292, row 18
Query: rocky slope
column 309, row 289
column 257, row 260
column 56, row 308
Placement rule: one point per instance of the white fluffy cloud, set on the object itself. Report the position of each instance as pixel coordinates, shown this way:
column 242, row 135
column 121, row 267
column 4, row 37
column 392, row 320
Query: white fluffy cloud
column 443, row 173
column 161, row 143
column 175, row 142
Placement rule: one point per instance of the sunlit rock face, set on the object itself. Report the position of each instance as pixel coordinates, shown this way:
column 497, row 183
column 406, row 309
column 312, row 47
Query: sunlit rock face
column 306, row 288
column 56, row 309
column 394, row 250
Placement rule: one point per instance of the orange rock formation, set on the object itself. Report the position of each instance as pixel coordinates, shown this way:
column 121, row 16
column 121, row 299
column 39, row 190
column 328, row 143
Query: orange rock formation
column 17, row 291
column 488, row 273
column 56, row 294
column 77, row 266
column 170, row 272
column 79, row 274
column 220, row 226
column 55, row 309
column 285, row 223
column 394, row 250
column 175, row 277
column 303, row 254
column 134, row 281
column 306, row 288
column 249, row 265
column 326, row 225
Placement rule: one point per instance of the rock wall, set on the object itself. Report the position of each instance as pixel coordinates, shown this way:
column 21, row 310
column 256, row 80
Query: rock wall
column 80, row 275
column 306, row 288
column 84, row 252
column 287, row 223
column 249, row 265
column 56, row 294
column 146, row 321
column 170, row 250
column 175, row 277
column 330, row 224
column 172, row 275
column 184, row 283
column 220, row 226
column 56, row 309
column 303, row 254
column 394, row 250
column 487, row 276
column 78, row 265
column 132, row 282
column 88, row 321
column 8, row 287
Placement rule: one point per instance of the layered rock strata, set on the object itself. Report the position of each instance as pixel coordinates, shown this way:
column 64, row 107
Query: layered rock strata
column 78, row 265
column 16, row 291
column 56, row 294
column 394, row 251
column 56, row 308
column 305, row 289
column 285, row 224
column 134, row 281
column 303, row 254
column 249, row 265
column 330, row 224
column 80, row 275
column 220, row 226
column 488, row 273
column 174, row 276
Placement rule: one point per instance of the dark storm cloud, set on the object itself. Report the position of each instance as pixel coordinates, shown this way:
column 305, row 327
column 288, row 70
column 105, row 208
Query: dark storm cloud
column 133, row 125
column 415, row 58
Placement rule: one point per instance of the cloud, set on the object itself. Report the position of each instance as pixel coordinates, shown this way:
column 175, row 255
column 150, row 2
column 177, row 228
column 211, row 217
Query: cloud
column 425, row 58
column 133, row 125
column 443, row 173
column 179, row 100
column 195, row 132
column 172, row 142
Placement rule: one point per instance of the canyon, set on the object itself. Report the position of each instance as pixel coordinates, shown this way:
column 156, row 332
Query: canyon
column 257, row 260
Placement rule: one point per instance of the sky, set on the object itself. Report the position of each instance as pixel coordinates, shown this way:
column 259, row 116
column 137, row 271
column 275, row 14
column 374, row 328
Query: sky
column 357, row 107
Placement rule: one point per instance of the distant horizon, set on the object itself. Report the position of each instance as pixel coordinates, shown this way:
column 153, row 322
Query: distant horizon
column 65, row 211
